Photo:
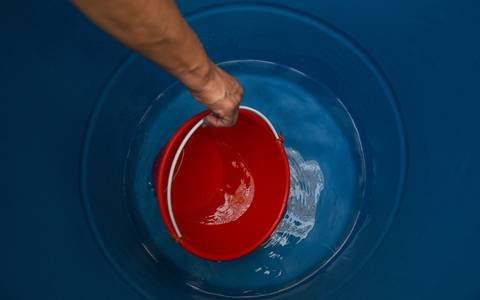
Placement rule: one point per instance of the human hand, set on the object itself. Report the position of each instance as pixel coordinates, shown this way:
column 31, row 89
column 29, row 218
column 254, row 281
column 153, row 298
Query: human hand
column 222, row 94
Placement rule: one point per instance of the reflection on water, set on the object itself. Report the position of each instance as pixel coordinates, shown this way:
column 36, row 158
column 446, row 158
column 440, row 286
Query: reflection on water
column 306, row 184
column 237, row 197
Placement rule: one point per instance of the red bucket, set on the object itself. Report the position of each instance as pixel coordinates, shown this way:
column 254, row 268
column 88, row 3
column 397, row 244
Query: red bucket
column 222, row 191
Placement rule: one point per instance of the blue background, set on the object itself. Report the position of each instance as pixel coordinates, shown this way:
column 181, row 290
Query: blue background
column 55, row 63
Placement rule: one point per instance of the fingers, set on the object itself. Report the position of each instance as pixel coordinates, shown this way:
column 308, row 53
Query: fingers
column 213, row 121
column 225, row 117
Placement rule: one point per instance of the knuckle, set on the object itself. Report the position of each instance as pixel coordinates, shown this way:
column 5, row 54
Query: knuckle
column 230, row 105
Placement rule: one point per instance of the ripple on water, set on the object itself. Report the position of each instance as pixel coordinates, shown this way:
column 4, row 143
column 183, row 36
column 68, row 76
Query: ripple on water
column 306, row 184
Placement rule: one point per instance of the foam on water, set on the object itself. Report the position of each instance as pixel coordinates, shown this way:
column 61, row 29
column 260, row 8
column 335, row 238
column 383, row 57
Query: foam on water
column 306, row 184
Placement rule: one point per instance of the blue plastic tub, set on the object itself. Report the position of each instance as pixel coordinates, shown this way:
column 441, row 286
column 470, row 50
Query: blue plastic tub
column 381, row 98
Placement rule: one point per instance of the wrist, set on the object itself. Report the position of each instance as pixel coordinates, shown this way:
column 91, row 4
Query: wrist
column 198, row 76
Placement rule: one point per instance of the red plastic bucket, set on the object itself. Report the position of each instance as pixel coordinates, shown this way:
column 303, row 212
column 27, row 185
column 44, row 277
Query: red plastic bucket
column 222, row 191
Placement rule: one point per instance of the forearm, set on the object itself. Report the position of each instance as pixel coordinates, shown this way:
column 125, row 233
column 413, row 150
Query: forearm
column 156, row 29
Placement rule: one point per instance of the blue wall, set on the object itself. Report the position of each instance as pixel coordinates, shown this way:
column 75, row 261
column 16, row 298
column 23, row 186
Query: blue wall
column 55, row 65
